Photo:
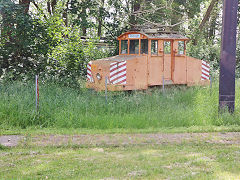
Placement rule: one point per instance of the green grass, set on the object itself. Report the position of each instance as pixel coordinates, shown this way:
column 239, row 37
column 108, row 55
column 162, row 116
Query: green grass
column 79, row 131
column 64, row 107
column 169, row 161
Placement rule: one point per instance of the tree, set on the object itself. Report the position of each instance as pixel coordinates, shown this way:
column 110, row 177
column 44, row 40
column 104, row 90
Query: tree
column 82, row 12
column 208, row 13
column 23, row 39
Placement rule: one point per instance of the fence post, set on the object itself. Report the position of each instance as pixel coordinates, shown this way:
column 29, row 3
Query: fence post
column 106, row 81
column 211, row 82
column 37, row 93
column 163, row 83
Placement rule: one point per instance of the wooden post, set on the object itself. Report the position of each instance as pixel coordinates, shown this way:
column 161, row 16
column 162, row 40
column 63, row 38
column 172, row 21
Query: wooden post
column 228, row 56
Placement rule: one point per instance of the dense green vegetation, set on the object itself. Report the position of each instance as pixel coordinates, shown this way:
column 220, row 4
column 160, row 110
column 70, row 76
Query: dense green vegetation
column 47, row 38
column 65, row 107
column 55, row 39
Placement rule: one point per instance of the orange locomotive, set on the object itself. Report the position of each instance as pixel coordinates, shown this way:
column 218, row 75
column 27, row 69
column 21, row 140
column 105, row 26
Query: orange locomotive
column 147, row 59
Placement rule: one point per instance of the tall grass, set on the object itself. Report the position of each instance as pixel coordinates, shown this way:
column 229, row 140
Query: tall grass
column 67, row 107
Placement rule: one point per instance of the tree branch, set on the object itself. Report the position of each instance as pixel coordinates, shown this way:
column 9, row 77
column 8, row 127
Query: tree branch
column 208, row 13
column 39, row 9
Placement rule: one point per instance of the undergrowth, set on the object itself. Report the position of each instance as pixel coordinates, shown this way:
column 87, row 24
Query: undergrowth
column 66, row 107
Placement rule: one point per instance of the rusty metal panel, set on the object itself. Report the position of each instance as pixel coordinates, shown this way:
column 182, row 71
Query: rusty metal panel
column 228, row 56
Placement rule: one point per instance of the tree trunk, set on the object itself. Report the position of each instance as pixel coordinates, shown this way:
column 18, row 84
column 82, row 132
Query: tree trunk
column 100, row 19
column 213, row 24
column 4, row 34
column 84, row 28
column 37, row 7
column 208, row 13
column 65, row 14
column 53, row 4
column 49, row 8
column 136, row 6
column 25, row 4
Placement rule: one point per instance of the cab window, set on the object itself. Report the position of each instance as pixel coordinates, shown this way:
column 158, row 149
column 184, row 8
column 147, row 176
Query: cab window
column 154, row 47
column 167, row 47
column 134, row 47
column 144, row 46
column 181, row 47
column 124, row 47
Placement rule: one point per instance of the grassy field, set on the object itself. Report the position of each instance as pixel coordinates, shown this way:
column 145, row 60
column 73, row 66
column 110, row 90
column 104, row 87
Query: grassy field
column 64, row 107
column 168, row 161
column 64, row 110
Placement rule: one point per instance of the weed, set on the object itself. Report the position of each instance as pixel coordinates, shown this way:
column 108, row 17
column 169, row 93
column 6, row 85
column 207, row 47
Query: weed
column 65, row 107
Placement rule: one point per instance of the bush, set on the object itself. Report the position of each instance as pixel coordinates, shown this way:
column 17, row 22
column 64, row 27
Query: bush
column 30, row 46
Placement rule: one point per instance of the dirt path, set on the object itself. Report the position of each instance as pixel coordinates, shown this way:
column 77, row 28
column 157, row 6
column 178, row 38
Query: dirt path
column 122, row 139
column 11, row 140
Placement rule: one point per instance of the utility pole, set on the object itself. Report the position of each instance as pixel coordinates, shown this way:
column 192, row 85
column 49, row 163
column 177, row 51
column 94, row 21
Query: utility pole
column 228, row 56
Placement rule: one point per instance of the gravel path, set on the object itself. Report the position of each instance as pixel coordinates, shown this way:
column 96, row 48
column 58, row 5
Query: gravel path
column 11, row 140
column 122, row 139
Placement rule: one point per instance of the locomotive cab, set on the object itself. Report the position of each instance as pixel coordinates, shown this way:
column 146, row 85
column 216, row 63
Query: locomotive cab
column 147, row 59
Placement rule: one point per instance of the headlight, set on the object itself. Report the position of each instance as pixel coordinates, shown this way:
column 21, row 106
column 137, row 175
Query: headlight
column 98, row 76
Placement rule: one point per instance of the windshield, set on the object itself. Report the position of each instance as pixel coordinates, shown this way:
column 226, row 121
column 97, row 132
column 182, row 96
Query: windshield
column 134, row 47
column 124, row 47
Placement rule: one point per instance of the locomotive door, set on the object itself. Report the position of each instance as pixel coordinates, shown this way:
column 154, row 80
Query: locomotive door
column 155, row 62
column 168, row 60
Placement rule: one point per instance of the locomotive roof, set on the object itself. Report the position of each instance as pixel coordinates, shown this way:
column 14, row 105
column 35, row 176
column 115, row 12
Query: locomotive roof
column 165, row 36
column 118, row 58
column 157, row 35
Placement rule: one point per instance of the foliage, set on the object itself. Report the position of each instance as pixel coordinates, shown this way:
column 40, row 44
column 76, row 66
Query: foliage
column 206, row 50
column 78, row 108
column 24, row 42
column 31, row 45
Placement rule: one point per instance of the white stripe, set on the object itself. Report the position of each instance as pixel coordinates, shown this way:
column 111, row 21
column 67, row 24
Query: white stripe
column 113, row 67
column 121, row 63
column 206, row 72
column 89, row 72
column 113, row 64
column 89, row 78
column 118, row 70
column 114, row 75
column 204, row 62
column 205, row 66
column 89, row 65
column 117, row 75
column 206, row 69
column 205, row 76
column 119, row 80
